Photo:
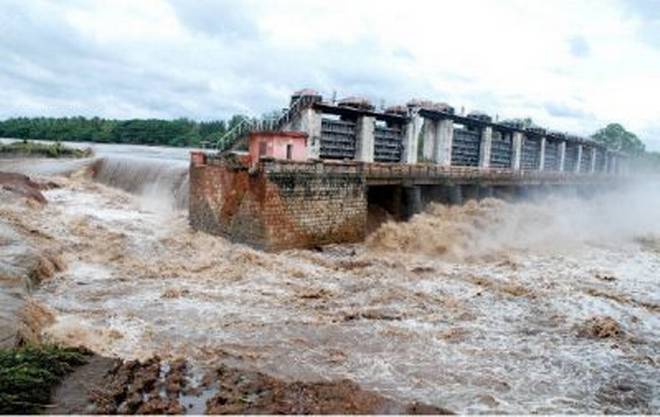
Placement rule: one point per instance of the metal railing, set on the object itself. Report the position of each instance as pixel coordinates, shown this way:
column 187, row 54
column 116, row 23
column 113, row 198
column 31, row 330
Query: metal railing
column 248, row 125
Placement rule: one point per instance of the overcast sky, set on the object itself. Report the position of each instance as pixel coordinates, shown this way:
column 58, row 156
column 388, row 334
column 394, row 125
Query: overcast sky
column 570, row 65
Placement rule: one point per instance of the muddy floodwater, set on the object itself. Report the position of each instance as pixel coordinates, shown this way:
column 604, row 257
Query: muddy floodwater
column 549, row 306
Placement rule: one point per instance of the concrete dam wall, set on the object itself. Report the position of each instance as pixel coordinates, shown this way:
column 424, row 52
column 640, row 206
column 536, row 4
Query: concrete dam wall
column 315, row 177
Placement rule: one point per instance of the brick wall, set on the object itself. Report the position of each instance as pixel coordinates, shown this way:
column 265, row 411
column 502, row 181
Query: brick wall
column 277, row 204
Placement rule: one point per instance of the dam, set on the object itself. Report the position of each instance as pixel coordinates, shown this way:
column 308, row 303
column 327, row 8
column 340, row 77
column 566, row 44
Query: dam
column 311, row 176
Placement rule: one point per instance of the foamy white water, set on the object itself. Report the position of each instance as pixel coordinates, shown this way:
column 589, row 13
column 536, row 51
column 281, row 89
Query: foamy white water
column 476, row 309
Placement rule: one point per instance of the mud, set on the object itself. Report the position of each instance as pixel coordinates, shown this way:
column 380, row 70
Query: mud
column 107, row 386
column 20, row 186
column 26, row 259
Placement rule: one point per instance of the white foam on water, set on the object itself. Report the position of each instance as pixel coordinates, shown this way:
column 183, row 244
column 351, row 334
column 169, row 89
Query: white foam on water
column 476, row 309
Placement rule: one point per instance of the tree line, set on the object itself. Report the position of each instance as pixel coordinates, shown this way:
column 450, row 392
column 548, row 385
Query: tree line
column 178, row 132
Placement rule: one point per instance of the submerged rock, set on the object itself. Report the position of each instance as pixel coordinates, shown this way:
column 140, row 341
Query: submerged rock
column 601, row 327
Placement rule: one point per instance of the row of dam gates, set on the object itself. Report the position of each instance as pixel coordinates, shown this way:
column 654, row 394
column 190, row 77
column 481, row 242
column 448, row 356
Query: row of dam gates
column 315, row 175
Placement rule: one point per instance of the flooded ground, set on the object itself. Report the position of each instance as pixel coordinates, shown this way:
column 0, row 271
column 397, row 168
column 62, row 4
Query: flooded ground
column 544, row 307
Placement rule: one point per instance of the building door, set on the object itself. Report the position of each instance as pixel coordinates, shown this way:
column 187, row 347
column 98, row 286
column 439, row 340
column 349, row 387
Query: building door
column 289, row 151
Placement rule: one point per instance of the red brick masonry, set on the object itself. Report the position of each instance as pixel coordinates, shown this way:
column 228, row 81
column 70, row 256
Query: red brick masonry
column 277, row 204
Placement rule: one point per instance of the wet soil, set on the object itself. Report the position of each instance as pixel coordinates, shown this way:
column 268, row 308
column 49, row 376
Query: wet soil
column 112, row 386
column 23, row 186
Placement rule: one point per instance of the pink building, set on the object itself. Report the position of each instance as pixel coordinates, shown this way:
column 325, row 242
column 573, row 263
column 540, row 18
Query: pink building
column 278, row 145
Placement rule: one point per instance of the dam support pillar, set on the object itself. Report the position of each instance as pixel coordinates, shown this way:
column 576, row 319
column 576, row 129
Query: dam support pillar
column 523, row 192
column 411, row 138
column 412, row 201
column 443, row 142
column 516, row 150
column 505, row 193
column 542, row 154
column 578, row 162
column 486, row 191
column 364, row 148
column 562, row 155
column 455, row 195
column 470, row 192
column 594, row 155
column 486, row 147
column 429, row 134
column 436, row 194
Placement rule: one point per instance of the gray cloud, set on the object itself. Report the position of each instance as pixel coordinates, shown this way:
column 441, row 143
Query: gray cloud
column 579, row 47
column 651, row 137
column 225, row 19
column 558, row 109
column 52, row 69
column 648, row 11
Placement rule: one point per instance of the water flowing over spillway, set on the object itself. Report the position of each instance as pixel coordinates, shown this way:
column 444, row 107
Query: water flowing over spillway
column 550, row 306
column 156, row 181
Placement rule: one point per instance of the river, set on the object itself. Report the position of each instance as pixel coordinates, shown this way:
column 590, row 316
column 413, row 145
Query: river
column 547, row 306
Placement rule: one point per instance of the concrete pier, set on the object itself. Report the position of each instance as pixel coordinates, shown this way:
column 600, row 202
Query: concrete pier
column 429, row 139
column 486, row 147
column 364, row 146
column 542, row 154
column 443, row 142
column 578, row 162
column 412, row 201
column 455, row 195
column 594, row 154
column 562, row 155
column 413, row 130
column 516, row 152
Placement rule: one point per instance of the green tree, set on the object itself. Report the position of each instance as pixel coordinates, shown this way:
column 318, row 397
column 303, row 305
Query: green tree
column 618, row 138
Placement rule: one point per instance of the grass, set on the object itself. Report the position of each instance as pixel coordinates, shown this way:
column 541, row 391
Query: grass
column 29, row 373
column 54, row 150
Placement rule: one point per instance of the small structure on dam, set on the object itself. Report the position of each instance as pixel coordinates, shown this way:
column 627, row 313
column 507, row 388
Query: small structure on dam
column 311, row 178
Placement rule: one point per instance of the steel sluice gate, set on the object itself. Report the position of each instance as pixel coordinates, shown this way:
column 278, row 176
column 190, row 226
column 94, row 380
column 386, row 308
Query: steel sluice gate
column 501, row 150
column 551, row 162
column 337, row 139
column 388, row 144
column 466, row 145
column 531, row 149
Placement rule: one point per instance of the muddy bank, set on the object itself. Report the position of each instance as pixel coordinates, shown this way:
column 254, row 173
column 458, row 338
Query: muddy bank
column 14, row 186
column 32, row 149
column 23, row 265
column 28, row 374
column 21, row 269
column 111, row 386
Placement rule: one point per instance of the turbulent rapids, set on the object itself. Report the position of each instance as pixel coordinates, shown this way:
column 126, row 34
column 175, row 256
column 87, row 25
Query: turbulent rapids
column 550, row 306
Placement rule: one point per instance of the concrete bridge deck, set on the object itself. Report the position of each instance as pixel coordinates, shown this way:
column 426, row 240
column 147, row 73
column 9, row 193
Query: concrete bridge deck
column 377, row 174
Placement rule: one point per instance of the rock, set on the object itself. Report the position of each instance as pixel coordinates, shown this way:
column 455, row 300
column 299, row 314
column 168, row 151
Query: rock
column 22, row 185
column 600, row 327
column 232, row 391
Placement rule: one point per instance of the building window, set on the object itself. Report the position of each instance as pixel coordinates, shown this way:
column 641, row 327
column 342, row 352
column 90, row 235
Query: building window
column 263, row 149
column 289, row 151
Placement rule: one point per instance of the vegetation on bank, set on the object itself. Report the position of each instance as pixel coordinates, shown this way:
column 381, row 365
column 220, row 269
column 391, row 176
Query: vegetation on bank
column 179, row 132
column 47, row 150
column 29, row 373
